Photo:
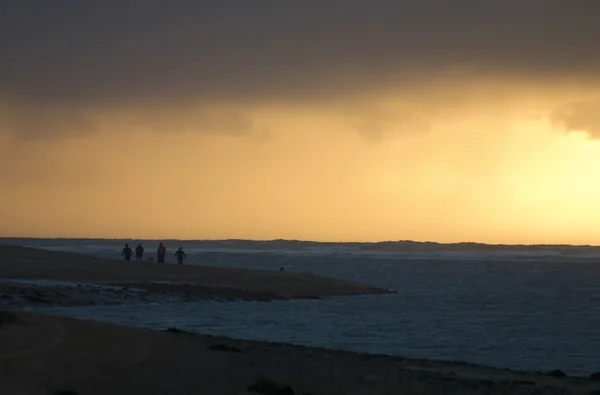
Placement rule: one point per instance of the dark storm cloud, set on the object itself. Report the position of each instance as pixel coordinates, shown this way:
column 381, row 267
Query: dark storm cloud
column 47, row 121
column 67, row 51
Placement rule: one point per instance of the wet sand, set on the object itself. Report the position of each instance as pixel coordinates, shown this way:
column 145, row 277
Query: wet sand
column 43, row 354
column 17, row 295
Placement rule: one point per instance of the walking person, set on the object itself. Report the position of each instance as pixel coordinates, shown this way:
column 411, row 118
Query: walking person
column 161, row 252
column 180, row 255
column 127, row 252
column 139, row 252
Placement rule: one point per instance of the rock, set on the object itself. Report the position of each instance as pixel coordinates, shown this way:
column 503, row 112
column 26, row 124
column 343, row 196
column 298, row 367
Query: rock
column 224, row 347
column 595, row 376
column 270, row 387
column 556, row 373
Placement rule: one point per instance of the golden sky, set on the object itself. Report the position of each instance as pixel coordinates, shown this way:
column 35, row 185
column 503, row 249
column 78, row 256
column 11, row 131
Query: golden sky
column 457, row 152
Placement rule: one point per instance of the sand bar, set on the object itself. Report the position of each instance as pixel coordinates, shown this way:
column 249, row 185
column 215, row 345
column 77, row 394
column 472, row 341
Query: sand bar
column 200, row 281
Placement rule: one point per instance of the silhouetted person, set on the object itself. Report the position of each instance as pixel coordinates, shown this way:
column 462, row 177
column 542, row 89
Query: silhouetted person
column 139, row 252
column 161, row 252
column 127, row 252
column 180, row 255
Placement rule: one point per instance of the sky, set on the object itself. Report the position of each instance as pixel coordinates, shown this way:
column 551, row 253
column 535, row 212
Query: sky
column 328, row 120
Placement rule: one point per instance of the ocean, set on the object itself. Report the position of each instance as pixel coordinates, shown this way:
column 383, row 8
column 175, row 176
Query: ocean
column 519, row 307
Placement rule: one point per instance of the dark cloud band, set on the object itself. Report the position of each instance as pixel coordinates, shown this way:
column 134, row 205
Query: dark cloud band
column 68, row 50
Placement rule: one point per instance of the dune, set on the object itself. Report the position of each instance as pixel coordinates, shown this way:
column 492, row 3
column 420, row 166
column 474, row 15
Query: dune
column 44, row 354
column 30, row 263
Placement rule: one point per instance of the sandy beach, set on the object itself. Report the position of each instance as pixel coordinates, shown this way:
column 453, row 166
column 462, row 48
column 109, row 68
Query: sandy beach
column 74, row 279
column 42, row 354
column 45, row 354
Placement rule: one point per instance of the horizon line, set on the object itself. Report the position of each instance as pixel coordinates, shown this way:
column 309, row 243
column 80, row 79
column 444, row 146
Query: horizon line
column 303, row 241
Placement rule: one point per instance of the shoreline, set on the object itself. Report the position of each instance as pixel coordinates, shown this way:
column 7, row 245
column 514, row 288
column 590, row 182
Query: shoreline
column 43, row 354
column 23, row 294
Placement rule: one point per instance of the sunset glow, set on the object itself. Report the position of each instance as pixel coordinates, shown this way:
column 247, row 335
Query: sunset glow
column 458, row 153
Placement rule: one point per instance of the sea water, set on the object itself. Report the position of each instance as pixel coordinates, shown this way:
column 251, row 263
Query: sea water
column 532, row 308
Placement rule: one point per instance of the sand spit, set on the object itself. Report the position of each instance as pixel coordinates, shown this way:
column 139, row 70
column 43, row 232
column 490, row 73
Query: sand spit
column 44, row 354
column 101, row 281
